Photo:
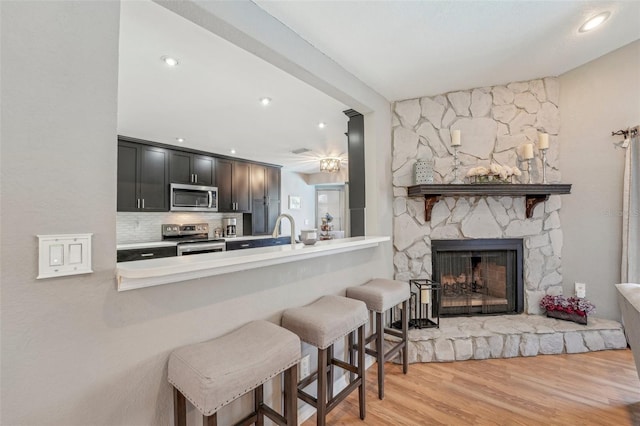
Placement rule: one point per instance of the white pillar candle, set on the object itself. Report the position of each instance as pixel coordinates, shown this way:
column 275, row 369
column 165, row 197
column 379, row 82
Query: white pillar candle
column 455, row 138
column 543, row 140
column 527, row 151
column 425, row 296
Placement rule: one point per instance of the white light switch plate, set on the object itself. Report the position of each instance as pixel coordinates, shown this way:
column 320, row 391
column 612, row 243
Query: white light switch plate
column 61, row 255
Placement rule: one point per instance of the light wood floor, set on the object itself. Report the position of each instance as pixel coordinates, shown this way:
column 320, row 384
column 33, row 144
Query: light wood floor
column 595, row 388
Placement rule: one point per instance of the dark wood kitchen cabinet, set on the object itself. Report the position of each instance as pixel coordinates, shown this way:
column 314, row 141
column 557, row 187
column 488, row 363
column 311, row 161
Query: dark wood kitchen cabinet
column 265, row 191
column 143, row 178
column 128, row 255
column 192, row 169
column 233, row 181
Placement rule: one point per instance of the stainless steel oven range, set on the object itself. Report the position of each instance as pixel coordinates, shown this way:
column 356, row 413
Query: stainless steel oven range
column 192, row 238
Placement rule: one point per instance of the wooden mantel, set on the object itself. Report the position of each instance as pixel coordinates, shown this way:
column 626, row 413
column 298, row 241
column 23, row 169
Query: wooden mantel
column 533, row 193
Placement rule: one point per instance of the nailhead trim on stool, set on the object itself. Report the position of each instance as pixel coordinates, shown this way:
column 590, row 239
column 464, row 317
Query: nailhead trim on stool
column 321, row 324
column 214, row 373
column 381, row 295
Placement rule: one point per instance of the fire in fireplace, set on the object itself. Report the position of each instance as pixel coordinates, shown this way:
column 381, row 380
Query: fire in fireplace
column 482, row 276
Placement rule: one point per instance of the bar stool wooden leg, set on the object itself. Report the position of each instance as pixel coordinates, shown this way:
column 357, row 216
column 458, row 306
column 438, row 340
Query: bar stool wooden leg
column 290, row 395
column 179, row 408
column 361, row 372
column 211, row 420
column 352, row 354
column 329, row 373
column 405, row 337
column 380, row 351
column 321, row 413
column 258, row 399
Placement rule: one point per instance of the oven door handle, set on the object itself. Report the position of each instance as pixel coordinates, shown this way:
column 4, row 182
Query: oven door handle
column 195, row 247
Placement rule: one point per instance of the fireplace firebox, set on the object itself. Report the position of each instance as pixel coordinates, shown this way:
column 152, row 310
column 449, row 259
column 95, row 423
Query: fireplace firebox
column 481, row 276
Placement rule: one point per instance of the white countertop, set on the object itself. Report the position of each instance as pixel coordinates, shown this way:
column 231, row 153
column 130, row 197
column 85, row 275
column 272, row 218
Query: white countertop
column 152, row 272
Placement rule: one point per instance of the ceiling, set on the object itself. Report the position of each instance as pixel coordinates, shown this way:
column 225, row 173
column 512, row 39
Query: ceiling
column 401, row 49
column 409, row 49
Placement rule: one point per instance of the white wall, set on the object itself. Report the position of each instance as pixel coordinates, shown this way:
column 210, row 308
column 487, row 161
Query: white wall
column 596, row 99
column 74, row 350
column 293, row 183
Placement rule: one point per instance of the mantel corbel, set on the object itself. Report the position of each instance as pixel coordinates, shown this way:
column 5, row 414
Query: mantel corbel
column 429, row 202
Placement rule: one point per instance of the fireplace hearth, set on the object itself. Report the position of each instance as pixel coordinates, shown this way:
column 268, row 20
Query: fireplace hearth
column 479, row 276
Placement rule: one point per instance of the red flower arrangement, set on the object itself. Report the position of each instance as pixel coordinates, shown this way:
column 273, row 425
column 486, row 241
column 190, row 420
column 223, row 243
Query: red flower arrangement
column 571, row 305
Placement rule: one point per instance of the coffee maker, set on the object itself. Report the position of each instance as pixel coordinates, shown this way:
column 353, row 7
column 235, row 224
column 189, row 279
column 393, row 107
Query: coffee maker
column 229, row 227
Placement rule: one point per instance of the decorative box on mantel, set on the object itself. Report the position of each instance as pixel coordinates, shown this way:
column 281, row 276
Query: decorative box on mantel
column 534, row 193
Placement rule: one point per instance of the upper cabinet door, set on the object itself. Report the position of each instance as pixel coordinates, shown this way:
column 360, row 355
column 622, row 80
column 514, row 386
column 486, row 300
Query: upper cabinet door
column 203, row 169
column 273, row 183
column 241, row 186
column 154, row 179
column 224, row 170
column 191, row 169
column 127, row 177
column 180, row 167
column 265, row 192
column 258, row 182
column 143, row 178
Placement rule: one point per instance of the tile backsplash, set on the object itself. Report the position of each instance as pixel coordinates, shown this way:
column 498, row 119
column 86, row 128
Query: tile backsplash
column 133, row 227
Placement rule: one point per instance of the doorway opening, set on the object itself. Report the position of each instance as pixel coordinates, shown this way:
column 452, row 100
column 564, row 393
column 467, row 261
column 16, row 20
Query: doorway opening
column 331, row 212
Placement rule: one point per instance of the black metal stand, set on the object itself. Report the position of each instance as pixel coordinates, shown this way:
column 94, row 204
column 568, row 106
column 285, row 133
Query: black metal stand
column 424, row 305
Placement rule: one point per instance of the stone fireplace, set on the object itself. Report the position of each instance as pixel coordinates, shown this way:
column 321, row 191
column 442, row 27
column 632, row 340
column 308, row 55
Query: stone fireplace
column 479, row 277
column 495, row 122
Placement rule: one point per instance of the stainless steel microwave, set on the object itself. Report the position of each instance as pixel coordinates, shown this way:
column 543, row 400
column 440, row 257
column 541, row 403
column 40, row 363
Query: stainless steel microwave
column 194, row 198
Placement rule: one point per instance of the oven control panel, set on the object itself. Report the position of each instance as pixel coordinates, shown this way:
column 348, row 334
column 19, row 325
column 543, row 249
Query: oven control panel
column 173, row 230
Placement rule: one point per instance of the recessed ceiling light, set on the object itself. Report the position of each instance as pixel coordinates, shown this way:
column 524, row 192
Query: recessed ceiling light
column 594, row 22
column 172, row 62
column 322, row 124
column 180, row 140
column 265, row 101
column 233, row 151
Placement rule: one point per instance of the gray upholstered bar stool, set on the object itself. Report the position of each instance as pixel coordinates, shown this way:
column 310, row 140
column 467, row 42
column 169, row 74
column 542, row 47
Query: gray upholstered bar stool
column 214, row 373
column 381, row 295
column 321, row 324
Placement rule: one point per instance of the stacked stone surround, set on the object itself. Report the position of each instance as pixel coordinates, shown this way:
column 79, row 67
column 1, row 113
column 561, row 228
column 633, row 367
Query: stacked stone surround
column 495, row 123
column 508, row 336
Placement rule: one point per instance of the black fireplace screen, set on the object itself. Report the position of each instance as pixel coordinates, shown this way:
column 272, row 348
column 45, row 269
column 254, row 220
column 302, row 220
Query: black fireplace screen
column 478, row 276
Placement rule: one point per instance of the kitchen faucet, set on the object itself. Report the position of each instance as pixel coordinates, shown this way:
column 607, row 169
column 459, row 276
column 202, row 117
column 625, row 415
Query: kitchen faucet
column 293, row 228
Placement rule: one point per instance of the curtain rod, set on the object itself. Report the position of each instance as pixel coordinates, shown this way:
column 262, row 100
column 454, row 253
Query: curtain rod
column 629, row 133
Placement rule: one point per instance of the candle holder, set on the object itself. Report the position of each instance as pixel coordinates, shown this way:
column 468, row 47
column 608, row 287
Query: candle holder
column 544, row 165
column 527, row 161
column 424, row 305
column 456, row 179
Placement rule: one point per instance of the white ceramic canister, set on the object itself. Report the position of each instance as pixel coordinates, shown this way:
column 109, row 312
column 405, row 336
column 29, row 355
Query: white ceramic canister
column 308, row 235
